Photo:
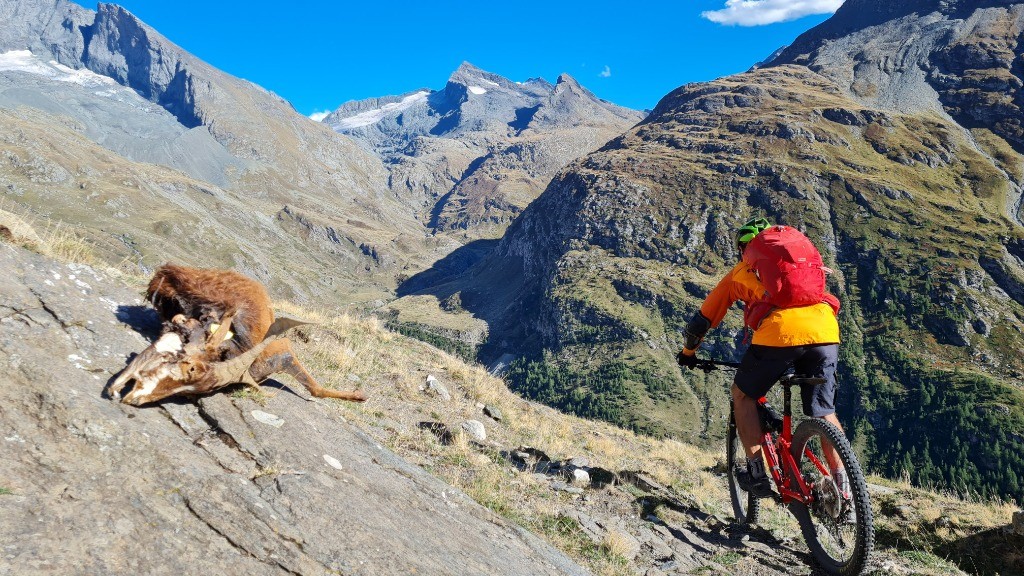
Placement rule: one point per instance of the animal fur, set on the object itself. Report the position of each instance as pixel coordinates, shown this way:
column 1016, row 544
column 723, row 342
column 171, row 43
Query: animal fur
column 207, row 295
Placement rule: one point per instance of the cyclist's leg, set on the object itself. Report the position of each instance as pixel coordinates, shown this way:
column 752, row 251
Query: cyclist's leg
column 819, row 401
column 760, row 368
column 747, row 425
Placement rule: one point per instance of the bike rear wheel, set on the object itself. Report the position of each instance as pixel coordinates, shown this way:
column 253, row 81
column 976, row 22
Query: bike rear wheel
column 745, row 507
column 838, row 530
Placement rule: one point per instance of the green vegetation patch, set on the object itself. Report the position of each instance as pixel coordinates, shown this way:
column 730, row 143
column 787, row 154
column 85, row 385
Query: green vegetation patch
column 428, row 334
column 727, row 558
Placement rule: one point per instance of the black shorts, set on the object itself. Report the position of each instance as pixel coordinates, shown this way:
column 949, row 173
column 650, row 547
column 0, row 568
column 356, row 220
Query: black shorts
column 762, row 366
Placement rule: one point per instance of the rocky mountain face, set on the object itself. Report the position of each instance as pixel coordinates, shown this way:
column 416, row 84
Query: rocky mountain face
column 907, row 177
column 957, row 58
column 164, row 154
column 473, row 154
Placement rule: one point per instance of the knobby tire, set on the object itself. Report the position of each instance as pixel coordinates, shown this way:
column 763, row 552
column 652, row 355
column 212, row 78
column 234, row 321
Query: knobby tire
column 819, row 530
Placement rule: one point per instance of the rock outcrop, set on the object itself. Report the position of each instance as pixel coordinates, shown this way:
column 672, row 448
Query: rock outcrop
column 955, row 57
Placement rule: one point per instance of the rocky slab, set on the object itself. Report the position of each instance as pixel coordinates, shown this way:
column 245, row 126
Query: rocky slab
column 220, row 485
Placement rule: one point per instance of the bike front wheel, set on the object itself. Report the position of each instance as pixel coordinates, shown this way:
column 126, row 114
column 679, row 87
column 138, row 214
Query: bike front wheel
column 745, row 507
column 837, row 526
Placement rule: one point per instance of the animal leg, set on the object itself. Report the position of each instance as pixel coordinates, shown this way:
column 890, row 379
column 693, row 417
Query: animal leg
column 279, row 357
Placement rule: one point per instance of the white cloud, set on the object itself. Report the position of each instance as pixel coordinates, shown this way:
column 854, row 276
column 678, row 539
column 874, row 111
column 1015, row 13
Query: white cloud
column 319, row 116
column 761, row 12
column 606, row 72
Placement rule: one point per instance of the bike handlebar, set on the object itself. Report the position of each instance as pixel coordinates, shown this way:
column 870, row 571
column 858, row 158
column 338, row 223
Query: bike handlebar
column 788, row 380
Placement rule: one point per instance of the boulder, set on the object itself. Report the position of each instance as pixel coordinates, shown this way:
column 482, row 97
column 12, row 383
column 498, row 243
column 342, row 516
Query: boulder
column 493, row 412
column 475, row 429
column 435, row 388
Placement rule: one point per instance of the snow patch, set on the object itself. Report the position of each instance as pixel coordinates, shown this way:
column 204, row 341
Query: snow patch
column 25, row 61
column 376, row 115
column 477, row 90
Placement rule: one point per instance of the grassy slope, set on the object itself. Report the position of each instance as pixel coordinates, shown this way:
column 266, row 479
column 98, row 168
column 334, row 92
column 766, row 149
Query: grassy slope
column 336, row 241
column 391, row 368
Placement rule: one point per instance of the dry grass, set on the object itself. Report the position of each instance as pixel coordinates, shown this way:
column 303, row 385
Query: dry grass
column 14, row 228
column 63, row 243
column 617, row 543
column 60, row 242
column 347, row 351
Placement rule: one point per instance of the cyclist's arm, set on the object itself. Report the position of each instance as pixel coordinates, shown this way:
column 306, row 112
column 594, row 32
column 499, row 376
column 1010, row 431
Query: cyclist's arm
column 711, row 313
column 739, row 284
column 733, row 287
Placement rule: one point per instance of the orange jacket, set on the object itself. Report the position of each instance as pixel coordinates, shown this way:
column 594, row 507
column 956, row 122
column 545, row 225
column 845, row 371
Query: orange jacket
column 783, row 326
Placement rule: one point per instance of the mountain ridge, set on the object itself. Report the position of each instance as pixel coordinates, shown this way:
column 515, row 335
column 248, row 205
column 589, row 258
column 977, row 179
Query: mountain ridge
column 260, row 152
column 474, row 153
column 593, row 283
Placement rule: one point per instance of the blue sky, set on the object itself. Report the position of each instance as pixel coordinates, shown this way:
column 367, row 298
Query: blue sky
column 318, row 54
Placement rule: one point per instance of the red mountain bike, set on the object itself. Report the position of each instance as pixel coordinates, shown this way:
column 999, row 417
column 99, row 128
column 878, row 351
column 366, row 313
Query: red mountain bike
column 837, row 527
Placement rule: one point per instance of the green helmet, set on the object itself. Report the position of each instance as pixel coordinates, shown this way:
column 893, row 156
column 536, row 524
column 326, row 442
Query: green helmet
column 752, row 228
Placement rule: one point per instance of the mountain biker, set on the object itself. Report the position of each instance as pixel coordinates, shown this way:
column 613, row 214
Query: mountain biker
column 805, row 338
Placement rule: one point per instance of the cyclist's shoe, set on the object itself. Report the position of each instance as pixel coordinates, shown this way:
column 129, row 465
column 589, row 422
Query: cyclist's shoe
column 842, row 483
column 846, row 515
column 754, row 480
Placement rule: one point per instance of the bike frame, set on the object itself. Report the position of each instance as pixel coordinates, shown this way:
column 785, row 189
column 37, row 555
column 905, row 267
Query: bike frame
column 777, row 451
column 785, row 471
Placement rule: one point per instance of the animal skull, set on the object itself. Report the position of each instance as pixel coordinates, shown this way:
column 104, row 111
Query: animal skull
column 172, row 365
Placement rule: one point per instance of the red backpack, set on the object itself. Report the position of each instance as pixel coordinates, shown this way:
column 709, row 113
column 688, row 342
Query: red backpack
column 790, row 269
